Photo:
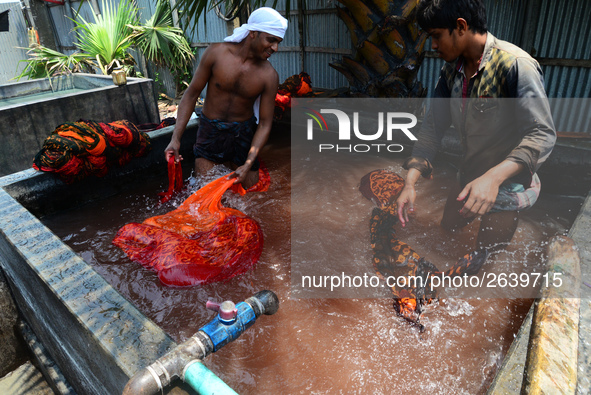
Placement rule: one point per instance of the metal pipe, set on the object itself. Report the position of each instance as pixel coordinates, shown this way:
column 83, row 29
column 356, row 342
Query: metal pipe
column 29, row 13
column 210, row 338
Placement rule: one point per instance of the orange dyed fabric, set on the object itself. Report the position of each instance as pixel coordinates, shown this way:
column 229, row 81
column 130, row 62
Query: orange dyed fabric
column 297, row 85
column 261, row 186
column 198, row 243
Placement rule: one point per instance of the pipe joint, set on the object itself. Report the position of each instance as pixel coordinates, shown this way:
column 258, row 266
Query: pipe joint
column 223, row 329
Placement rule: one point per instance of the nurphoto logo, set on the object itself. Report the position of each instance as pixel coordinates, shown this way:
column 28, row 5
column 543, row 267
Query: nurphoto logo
column 363, row 128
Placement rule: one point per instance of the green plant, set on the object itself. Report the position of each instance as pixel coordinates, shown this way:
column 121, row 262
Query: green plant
column 45, row 62
column 105, row 43
column 108, row 39
column 165, row 45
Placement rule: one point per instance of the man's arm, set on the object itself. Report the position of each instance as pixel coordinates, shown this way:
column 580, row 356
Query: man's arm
column 188, row 101
column 266, row 110
column 407, row 196
column 481, row 193
column 526, row 84
column 533, row 115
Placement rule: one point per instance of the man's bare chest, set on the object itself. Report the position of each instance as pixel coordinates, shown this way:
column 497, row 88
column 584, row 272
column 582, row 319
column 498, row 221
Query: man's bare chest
column 237, row 79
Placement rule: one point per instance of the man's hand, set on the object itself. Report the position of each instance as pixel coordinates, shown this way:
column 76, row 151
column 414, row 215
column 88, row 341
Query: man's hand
column 405, row 203
column 479, row 196
column 406, row 199
column 241, row 172
column 173, row 150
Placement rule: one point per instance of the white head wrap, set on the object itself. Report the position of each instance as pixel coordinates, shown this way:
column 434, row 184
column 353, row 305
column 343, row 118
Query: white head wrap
column 264, row 19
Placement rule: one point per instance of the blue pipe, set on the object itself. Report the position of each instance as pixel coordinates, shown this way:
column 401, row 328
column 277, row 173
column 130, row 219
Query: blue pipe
column 223, row 331
column 227, row 326
column 204, row 381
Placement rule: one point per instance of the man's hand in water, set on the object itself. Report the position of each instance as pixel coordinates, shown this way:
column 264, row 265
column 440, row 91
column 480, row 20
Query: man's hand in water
column 405, row 203
column 241, row 172
column 479, row 195
column 406, row 199
column 173, row 150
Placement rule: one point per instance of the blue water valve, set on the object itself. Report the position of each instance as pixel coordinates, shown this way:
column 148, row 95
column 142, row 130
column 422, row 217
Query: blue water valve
column 230, row 322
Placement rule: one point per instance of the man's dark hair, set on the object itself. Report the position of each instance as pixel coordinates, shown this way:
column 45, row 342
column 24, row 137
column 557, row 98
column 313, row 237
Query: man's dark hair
column 443, row 14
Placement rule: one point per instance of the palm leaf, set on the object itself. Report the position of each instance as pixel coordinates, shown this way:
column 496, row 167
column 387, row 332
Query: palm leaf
column 161, row 42
column 45, row 62
column 195, row 9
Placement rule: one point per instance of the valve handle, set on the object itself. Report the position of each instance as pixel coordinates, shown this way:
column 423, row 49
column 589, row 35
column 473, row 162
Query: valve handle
column 227, row 310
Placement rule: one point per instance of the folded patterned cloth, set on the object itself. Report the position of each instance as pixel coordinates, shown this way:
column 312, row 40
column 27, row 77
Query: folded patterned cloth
column 76, row 150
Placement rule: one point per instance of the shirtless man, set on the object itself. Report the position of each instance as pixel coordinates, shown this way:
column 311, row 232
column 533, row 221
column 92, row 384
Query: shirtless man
column 239, row 79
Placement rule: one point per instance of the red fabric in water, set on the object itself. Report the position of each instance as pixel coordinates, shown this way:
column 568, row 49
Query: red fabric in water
column 198, row 243
column 261, row 186
column 175, row 180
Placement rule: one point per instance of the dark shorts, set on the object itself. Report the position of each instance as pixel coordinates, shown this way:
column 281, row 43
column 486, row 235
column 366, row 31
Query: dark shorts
column 222, row 142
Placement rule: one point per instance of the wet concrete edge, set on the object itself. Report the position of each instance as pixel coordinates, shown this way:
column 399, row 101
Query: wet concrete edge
column 580, row 232
column 97, row 338
column 509, row 378
column 551, row 363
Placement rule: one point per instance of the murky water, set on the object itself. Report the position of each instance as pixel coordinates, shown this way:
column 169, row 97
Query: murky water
column 327, row 346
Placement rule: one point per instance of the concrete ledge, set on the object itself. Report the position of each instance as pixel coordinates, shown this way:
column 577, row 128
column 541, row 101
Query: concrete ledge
column 580, row 234
column 13, row 352
column 551, row 365
column 26, row 125
column 26, row 380
column 44, row 193
column 509, row 379
column 96, row 337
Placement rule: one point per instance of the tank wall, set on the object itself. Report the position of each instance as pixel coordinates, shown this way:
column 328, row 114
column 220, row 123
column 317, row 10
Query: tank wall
column 27, row 125
column 96, row 337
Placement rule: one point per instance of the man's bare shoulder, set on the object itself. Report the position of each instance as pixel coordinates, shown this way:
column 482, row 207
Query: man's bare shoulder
column 218, row 48
column 268, row 71
column 224, row 49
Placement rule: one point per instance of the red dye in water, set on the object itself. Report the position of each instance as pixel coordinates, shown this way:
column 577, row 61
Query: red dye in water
column 198, row 243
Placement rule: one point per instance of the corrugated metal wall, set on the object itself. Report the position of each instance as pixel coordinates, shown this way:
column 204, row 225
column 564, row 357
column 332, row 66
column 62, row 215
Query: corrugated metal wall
column 558, row 30
column 64, row 27
column 326, row 39
column 325, row 31
column 561, row 31
column 11, row 43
